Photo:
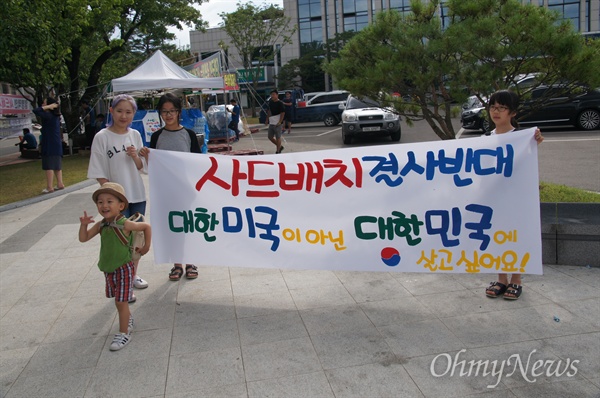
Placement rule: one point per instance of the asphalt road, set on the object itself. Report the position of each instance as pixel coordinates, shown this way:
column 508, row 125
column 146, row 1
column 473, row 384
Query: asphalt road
column 570, row 157
column 567, row 156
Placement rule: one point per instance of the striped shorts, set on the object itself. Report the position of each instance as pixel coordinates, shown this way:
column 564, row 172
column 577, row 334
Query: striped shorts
column 119, row 283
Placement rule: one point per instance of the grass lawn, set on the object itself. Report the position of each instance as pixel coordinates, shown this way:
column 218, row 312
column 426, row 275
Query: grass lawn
column 562, row 193
column 26, row 180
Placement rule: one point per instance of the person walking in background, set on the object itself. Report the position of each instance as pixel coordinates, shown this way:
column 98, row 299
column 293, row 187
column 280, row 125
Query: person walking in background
column 51, row 143
column 115, row 251
column 173, row 137
column 289, row 109
column 114, row 158
column 503, row 107
column 275, row 115
column 235, row 119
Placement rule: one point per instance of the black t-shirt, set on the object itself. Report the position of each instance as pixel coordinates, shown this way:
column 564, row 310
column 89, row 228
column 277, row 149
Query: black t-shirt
column 276, row 107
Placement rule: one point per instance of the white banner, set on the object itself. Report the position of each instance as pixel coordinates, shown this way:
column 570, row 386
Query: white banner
column 455, row 206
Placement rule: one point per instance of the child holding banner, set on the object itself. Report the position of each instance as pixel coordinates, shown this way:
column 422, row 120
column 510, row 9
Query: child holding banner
column 174, row 137
column 503, row 107
column 115, row 251
column 114, row 158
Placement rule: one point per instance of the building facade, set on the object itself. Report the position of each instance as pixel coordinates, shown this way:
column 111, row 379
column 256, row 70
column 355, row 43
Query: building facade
column 320, row 20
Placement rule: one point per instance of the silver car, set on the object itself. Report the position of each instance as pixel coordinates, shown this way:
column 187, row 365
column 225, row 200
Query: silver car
column 364, row 117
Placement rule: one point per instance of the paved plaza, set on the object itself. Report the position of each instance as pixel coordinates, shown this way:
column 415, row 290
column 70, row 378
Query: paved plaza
column 239, row 332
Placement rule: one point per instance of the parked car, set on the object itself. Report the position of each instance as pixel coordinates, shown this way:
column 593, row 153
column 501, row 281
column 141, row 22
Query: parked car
column 309, row 96
column 323, row 106
column 581, row 110
column 473, row 114
column 364, row 117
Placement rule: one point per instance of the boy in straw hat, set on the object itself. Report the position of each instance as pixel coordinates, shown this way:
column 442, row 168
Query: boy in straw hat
column 115, row 251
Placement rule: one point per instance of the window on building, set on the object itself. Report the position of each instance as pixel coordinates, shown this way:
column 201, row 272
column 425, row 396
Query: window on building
column 356, row 14
column 310, row 24
column 445, row 16
column 402, row 6
column 568, row 10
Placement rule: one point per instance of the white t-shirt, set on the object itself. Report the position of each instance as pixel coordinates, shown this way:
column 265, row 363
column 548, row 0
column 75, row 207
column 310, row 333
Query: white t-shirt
column 274, row 120
column 109, row 160
column 493, row 132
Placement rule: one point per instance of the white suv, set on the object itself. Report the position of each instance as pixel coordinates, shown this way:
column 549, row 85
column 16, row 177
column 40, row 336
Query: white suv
column 364, row 117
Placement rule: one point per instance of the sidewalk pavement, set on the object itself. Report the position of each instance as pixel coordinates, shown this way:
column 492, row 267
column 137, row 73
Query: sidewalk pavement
column 237, row 332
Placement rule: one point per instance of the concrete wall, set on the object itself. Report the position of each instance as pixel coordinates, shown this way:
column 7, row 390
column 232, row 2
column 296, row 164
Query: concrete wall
column 571, row 233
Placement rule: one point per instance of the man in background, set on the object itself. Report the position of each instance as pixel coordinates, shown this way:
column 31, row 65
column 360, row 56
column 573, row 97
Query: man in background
column 275, row 115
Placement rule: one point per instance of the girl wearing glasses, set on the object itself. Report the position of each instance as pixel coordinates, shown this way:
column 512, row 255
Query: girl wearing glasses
column 503, row 107
column 174, row 137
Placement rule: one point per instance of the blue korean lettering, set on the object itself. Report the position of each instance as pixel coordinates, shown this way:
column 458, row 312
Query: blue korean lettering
column 384, row 167
column 268, row 227
column 412, row 165
column 236, row 215
column 233, row 222
column 388, row 167
column 483, row 224
column 447, row 165
column 444, row 225
column 503, row 162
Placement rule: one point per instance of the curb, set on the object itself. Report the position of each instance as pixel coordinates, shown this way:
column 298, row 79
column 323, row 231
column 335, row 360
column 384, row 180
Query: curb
column 40, row 198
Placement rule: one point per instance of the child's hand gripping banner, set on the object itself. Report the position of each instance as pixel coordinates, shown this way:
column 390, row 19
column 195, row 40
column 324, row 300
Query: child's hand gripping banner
column 460, row 206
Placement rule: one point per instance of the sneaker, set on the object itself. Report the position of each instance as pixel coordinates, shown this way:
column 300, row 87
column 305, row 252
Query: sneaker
column 280, row 149
column 119, row 341
column 130, row 324
column 133, row 299
column 139, row 283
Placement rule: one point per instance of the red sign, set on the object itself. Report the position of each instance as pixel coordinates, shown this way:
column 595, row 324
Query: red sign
column 13, row 104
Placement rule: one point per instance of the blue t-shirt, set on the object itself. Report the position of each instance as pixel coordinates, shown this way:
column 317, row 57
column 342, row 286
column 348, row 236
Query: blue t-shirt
column 235, row 114
column 29, row 141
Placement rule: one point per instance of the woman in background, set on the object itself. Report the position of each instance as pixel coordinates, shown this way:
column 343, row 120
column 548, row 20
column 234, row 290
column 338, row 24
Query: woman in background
column 51, row 143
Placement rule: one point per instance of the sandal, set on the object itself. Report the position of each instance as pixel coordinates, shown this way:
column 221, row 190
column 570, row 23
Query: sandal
column 176, row 273
column 191, row 271
column 493, row 291
column 514, row 291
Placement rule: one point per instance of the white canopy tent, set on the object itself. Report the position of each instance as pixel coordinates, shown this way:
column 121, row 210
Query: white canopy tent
column 160, row 73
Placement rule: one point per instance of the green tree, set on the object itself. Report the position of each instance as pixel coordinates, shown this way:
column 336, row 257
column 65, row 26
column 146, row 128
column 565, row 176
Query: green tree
column 487, row 44
column 307, row 71
column 33, row 50
column 254, row 31
column 66, row 44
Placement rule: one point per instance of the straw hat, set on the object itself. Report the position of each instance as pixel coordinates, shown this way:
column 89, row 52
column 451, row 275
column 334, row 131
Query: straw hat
column 112, row 188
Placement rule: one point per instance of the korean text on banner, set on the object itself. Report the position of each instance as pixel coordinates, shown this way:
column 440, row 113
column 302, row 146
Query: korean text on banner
column 460, row 206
